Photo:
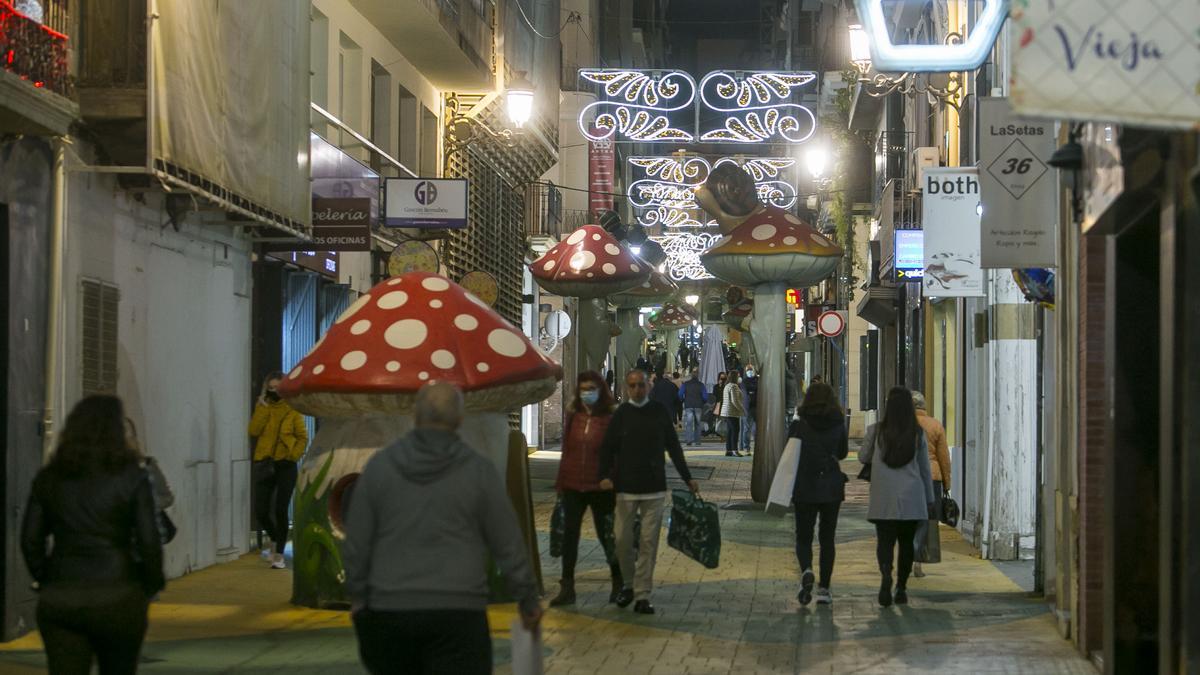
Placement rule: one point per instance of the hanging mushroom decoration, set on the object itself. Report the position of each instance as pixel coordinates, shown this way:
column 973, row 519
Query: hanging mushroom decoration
column 672, row 317
column 766, row 248
column 362, row 378
column 590, row 264
column 657, row 289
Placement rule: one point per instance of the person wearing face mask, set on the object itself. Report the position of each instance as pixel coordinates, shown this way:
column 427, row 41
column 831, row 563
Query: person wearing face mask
column 632, row 463
column 577, row 484
column 750, row 403
column 281, row 439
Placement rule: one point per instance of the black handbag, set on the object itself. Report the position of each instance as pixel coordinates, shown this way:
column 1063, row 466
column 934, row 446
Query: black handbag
column 865, row 473
column 950, row 510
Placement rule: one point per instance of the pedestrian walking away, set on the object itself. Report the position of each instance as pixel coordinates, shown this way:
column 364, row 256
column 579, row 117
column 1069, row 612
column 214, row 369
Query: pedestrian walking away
column 718, row 391
column 901, row 489
column 820, row 486
column 732, row 411
column 694, row 397
column 281, row 441
column 632, row 463
column 939, row 469
column 749, row 426
column 578, row 484
column 90, row 539
column 427, row 512
column 667, row 393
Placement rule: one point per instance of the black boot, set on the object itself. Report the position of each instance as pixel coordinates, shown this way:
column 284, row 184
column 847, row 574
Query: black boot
column 617, row 585
column 566, row 593
column 885, row 590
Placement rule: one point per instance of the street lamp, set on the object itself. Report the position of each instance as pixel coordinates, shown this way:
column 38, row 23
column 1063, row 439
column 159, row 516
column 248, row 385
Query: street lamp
column 879, row 85
column 691, row 299
column 463, row 128
column 860, row 46
column 520, row 101
column 816, row 158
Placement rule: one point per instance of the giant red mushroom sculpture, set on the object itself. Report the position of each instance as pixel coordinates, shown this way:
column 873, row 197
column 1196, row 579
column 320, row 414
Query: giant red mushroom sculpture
column 769, row 249
column 657, row 289
column 362, row 377
column 672, row 317
column 590, row 264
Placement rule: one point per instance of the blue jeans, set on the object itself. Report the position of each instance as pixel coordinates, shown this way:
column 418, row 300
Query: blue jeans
column 749, row 428
column 692, row 425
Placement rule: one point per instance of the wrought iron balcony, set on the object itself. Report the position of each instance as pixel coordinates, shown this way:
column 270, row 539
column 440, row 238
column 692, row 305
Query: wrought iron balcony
column 33, row 51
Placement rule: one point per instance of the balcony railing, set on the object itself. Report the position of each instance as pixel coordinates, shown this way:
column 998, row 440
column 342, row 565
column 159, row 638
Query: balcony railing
column 543, row 211
column 35, row 52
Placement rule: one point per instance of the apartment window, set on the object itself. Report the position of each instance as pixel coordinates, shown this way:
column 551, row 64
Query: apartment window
column 381, row 107
column 350, row 85
column 319, row 59
column 410, row 129
column 429, row 143
column 99, row 339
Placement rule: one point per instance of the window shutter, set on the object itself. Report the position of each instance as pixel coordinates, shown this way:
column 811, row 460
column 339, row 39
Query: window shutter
column 99, row 339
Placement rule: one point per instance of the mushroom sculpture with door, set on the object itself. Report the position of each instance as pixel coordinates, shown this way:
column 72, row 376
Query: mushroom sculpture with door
column 657, row 289
column 361, row 380
column 670, row 319
column 590, row 264
column 766, row 248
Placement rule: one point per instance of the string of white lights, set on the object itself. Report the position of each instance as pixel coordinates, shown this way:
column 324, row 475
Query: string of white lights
column 641, row 100
column 668, row 193
column 758, row 106
column 683, row 251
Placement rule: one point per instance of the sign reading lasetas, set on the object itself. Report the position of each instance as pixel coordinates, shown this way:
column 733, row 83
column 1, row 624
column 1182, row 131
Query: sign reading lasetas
column 1134, row 62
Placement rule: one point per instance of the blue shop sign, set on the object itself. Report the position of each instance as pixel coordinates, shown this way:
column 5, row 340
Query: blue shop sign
column 910, row 254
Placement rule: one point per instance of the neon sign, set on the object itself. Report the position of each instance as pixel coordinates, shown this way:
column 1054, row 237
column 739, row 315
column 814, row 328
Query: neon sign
column 757, row 107
column 667, row 194
column 967, row 55
column 636, row 104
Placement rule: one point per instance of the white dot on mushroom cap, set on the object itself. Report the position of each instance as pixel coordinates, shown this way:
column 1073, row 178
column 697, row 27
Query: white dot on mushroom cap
column 506, row 343
column 435, row 284
column 792, row 219
column 393, row 300
column 435, row 303
column 318, row 370
column 634, row 268
column 771, row 245
column 394, row 281
column 582, row 260
column 442, row 359
column 609, row 268
column 790, row 241
column 360, row 327
column 466, row 322
column 358, row 304
column 354, row 360
column 423, row 375
column 591, row 274
column 296, row 372
column 576, row 237
column 820, row 240
column 406, row 334
column 392, row 366
column 763, row 232
column 612, row 249
column 548, row 266
column 482, row 367
column 595, row 237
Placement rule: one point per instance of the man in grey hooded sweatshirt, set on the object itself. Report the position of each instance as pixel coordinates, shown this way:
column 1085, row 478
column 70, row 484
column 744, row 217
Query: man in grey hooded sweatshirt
column 424, row 516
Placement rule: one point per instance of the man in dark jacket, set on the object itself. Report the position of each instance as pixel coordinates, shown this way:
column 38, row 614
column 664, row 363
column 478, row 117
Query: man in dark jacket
column 666, row 393
column 694, row 396
column 631, row 462
column 750, row 422
column 426, row 514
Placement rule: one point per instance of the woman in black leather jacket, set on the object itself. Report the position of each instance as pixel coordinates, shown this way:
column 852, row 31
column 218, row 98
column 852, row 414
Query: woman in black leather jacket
column 95, row 500
column 820, row 486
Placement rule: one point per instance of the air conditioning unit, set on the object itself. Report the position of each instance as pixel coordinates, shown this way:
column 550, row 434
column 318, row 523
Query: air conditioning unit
column 923, row 158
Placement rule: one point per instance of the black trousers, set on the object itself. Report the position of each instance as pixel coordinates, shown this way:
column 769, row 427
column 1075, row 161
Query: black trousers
column 892, row 533
column 603, row 505
column 80, row 625
column 806, row 521
column 271, row 501
column 733, row 433
column 424, row 641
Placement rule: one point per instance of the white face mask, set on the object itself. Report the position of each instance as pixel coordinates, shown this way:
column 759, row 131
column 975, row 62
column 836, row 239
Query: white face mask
column 639, row 404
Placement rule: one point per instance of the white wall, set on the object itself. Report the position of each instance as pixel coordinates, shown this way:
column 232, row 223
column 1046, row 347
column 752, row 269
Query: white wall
column 183, row 352
column 572, row 167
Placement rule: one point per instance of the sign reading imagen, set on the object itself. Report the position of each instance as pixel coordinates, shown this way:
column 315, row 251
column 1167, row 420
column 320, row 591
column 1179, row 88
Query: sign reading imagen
column 426, row 203
column 950, row 217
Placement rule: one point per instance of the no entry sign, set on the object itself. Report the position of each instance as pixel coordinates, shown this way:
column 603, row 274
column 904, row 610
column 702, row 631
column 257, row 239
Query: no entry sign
column 831, row 324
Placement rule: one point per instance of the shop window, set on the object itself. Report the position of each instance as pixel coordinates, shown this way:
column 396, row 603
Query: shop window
column 99, row 336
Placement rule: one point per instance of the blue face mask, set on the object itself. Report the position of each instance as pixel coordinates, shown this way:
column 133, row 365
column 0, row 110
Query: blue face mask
column 589, row 397
column 749, row 373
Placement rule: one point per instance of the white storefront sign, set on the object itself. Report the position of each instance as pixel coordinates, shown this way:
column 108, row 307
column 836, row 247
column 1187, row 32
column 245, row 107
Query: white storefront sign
column 429, row 203
column 1130, row 61
column 950, row 217
column 1019, row 214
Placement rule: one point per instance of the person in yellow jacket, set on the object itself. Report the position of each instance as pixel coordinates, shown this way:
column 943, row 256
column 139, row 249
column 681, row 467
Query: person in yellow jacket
column 281, row 441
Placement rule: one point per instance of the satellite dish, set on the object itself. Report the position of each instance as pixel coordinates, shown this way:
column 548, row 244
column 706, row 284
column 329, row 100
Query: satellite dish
column 558, row 324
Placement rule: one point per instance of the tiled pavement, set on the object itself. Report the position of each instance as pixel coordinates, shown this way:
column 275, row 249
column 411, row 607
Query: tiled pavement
column 965, row 616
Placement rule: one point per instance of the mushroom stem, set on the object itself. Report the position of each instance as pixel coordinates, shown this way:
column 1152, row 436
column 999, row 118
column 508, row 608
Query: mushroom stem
column 672, row 347
column 487, row 434
column 629, row 342
column 770, row 342
column 594, row 334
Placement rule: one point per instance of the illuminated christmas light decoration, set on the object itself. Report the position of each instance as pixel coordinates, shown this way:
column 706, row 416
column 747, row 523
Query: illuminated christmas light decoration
column 669, row 217
column 666, row 196
column 757, row 106
column 970, row 54
column 683, row 254
column 635, row 104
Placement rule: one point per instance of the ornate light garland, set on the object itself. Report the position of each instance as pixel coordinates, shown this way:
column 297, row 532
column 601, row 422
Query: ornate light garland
column 757, row 106
column 636, row 103
column 667, row 195
column 683, row 251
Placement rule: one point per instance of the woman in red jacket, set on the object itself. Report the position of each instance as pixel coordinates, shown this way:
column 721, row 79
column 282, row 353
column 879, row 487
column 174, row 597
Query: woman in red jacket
column 578, row 482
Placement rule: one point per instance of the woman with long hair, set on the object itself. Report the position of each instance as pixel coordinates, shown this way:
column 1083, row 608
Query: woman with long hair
column 820, row 486
column 281, row 441
column 578, row 482
column 95, row 502
column 901, row 489
column 733, row 409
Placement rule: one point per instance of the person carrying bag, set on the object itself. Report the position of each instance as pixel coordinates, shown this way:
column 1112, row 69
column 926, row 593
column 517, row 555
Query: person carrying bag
column 281, row 441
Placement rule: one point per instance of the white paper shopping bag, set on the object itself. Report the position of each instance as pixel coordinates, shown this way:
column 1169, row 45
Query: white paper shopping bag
column 780, row 497
column 526, row 649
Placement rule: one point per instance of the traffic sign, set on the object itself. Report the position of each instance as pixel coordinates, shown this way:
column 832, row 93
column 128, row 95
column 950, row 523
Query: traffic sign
column 831, row 324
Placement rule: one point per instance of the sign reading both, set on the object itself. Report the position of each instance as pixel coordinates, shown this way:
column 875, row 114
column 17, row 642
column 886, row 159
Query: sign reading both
column 426, row 203
column 950, row 217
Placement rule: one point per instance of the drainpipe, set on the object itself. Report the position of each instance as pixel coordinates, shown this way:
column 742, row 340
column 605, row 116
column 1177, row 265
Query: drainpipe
column 58, row 208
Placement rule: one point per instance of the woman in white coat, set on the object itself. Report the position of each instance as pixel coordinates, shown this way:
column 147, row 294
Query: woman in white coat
column 901, row 489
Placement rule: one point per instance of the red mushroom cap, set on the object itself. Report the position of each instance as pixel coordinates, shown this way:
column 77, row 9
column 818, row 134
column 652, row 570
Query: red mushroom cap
column 407, row 331
column 590, row 263
column 772, row 245
column 655, row 289
column 673, row 315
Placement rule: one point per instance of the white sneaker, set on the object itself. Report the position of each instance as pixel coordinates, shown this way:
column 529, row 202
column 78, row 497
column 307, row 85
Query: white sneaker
column 279, row 563
column 267, row 554
column 823, row 596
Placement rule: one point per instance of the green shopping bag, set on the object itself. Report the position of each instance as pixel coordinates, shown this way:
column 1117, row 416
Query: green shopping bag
column 695, row 528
